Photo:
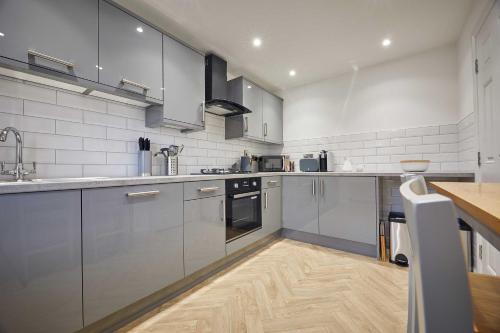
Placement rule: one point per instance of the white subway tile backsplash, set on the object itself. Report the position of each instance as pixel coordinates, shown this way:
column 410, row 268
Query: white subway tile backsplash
column 441, row 157
column 378, row 143
column 51, row 111
column 11, row 105
column 91, row 144
column 388, row 134
column 17, row 88
column 39, row 155
column 448, row 129
column 448, row 147
column 422, row 149
column 445, row 138
column 378, row 159
column 402, row 157
column 105, row 170
column 122, row 158
column 127, row 111
column 59, row 171
column 96, row 118
column 123, row 134
column 391, row 150
column 38, row 140
column 406, row 141
column 80, row 157
column 420, row 131
column 28, row 124
column 78, row 129
column 364, row 152
column 81, row 102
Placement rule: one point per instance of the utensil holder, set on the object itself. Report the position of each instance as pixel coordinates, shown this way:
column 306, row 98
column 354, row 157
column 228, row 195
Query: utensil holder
column 145, row 165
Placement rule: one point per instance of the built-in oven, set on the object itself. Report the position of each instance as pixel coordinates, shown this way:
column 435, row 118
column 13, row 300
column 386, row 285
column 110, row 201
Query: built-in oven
column 243, row 207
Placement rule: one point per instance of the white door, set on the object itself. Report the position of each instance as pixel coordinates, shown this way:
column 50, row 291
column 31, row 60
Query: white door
column 488, row 95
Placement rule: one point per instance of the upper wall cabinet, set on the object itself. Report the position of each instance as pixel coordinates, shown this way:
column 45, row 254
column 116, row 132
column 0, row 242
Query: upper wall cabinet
column 249, row 95
column 272, row 110
column 265, row 123
column 184, row 82
column 130, row 53
column 59, row 35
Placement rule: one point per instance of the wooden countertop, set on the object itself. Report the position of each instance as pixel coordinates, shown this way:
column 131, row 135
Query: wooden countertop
column 480, row 200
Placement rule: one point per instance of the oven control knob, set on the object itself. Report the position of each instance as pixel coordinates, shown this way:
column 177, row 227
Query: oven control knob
column 254, row 183
column 235, row 185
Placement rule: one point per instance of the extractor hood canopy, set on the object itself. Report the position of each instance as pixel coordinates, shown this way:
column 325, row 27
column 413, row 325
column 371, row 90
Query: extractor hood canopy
column 216, row 100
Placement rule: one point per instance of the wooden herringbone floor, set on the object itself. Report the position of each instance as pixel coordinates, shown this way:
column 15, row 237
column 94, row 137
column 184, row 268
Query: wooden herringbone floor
column 290, row 287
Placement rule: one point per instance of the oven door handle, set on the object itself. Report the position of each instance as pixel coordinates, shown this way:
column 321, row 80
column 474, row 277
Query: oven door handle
column 244, row 195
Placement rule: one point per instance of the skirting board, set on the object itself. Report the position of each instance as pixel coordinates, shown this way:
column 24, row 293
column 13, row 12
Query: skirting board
column 331, row 242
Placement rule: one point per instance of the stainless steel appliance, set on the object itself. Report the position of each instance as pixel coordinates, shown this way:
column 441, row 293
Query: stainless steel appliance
column 274, row 163
column 171, row 155
column 400, row 239
column 243, row 207
column 323, row 161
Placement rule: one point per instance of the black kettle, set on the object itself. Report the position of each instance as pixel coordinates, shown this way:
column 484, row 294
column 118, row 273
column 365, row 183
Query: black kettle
column 323, row 161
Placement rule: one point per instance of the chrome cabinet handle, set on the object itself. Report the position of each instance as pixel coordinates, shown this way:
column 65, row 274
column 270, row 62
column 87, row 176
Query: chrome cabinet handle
column 222, row 209
column 272, row 182
column 50, row 58
column 135, row 84
column 253, row 195
column 314, row 187
column 143, row 194
column 208, row 189
column 322, row 187
column 266, row 201
column 203, row 112
column 265, row 129
column 245, row 119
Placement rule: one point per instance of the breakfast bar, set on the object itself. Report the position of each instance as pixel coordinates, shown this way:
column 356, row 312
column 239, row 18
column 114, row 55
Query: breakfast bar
column 478, row 204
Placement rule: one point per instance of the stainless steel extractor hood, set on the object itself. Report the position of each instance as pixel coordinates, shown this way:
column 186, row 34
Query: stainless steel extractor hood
column 216, row 96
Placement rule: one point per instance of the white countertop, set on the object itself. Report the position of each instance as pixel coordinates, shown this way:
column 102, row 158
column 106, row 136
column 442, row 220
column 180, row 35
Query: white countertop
column 59, row 184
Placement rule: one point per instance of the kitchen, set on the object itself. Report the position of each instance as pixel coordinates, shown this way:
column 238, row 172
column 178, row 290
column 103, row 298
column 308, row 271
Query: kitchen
column 162, row 172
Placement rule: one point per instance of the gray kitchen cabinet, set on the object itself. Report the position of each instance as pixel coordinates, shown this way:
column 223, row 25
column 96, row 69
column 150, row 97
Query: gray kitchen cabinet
column 347, row 208
column 60, row 35
column 40, row 262
column 204, row 232
column 300, row 203
column 132, row 245
column 272, row 110
column 271, row 210
column 130, row 53
column 249, row 95
column 184, row 93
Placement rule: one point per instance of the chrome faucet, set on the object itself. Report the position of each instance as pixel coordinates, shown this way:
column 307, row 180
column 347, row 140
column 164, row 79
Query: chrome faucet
column 18, row 171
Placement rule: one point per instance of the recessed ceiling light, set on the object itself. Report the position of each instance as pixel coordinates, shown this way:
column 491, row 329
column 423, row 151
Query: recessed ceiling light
column 386, row 42
column 249, row 87
column 2, row 34
column 257, row 42
column 292, row 72
column 139, row 29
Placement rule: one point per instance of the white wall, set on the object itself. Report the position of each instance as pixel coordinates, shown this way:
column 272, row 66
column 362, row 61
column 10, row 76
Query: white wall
column 416, row 91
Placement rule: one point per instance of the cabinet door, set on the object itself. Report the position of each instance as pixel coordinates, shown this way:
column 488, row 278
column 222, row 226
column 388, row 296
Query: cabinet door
column 62, row 29
column 184, row 77
column 40, row 262
column 300, row 203
column 130, row 53
column 132, row 245
column 272, row 108
column 204, row 232
column 271, row 210
column 252, row 99
column 348, row 208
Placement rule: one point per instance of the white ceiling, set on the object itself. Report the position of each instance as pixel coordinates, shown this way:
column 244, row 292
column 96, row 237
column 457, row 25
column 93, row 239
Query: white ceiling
column 317, row 38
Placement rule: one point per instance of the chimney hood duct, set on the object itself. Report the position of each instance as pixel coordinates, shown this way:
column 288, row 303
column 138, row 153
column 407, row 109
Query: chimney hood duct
column 216, row 96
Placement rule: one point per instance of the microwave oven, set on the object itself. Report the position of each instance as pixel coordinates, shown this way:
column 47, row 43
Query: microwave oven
column 274, row 163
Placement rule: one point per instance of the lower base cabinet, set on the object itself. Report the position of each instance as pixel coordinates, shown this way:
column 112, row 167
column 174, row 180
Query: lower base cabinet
column 204, row 232
column 300, row 203
column 40, row 262
column 348, row 208
column 132, row 245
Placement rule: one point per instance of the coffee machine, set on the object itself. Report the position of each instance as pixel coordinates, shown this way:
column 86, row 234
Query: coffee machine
column 323, row 161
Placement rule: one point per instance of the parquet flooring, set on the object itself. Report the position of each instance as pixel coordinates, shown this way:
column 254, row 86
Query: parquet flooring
column 289, row 286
